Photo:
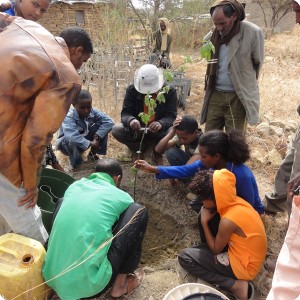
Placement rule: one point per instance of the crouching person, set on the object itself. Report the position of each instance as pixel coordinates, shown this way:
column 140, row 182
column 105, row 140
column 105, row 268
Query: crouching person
column 84, row 128
column 96, row 238
column 234, row 257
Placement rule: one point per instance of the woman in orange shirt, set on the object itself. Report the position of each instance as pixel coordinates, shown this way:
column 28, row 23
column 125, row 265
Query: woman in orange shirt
column 241, row 229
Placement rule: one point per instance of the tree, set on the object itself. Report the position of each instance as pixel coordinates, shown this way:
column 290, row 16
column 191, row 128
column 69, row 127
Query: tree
column 273, row 11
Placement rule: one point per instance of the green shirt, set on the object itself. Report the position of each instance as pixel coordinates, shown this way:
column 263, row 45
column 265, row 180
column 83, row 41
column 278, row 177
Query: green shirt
column 84, row 222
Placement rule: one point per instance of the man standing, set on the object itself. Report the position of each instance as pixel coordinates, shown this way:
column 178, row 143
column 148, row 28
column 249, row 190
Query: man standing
column 37, row 86
column 231, row 90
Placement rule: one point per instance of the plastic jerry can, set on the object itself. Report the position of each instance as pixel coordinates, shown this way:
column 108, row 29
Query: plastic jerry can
column 21, row 261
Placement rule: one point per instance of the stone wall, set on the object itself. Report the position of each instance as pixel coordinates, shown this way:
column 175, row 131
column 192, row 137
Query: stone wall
column 85, row 15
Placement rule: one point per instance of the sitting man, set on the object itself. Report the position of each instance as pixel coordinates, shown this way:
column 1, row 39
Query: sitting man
column 96, row 238
column 184, row 132
column 234, row 256
column 162, row 44
column 83, row 128
column 147, row 79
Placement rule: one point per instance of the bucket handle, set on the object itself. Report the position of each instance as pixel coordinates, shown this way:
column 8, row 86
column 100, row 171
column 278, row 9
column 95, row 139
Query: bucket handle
column 9, row 251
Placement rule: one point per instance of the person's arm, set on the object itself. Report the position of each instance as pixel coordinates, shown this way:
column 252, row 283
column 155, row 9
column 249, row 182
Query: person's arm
column 170, row 109
column 72, row 134
column 178, row 172
column 144, row 166
column 38, row 133
column 128, row 113
column 105, row 123
column 194, row 158
column 168, row 50
column 258, row 51
column 226, row 229
column 166, row 142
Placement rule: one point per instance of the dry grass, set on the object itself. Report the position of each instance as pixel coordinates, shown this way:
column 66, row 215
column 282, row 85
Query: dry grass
column 279, row 86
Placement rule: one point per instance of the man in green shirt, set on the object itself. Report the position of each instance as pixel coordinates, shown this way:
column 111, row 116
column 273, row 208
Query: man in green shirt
column 96, row 238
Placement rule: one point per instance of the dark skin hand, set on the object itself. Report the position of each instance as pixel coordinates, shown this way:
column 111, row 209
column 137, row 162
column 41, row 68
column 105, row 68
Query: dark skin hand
column 155, row 127
column 135, row 125
column 30, row 198
column 95, row 144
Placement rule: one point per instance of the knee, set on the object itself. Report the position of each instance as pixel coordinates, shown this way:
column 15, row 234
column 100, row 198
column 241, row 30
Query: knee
column 184, row 258
column 172, row 153
column 142, row 211
column 118, row 131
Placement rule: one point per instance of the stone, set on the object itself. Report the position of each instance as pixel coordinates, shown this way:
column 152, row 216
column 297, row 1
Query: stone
column 274, row 130
column 273, row 157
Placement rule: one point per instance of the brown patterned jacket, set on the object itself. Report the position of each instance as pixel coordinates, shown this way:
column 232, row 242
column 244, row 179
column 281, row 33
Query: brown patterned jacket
column 37, row 85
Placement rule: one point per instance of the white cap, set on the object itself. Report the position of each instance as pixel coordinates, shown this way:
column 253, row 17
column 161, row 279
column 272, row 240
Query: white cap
column 298, row 1
column 148, row 79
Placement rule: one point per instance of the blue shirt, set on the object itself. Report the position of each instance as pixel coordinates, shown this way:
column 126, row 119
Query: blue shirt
column 246, row 186
column 11, row 10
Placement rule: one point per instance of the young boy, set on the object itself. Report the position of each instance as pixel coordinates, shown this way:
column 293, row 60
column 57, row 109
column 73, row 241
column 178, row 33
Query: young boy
column 83, row 128
column 241, row 232
column 184, row 132
column 28, row 9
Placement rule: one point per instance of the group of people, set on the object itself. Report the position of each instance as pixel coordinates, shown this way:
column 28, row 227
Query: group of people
column 96, row 238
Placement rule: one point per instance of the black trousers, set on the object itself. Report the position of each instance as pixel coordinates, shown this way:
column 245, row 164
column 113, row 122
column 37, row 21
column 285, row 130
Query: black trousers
column 125, row 251
column 202, row 263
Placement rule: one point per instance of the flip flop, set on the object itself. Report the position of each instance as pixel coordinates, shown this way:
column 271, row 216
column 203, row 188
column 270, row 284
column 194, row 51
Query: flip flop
column 134, row 281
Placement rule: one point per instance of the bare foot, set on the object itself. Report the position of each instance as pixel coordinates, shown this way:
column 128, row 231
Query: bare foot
column 120, row 286
column 240, row 289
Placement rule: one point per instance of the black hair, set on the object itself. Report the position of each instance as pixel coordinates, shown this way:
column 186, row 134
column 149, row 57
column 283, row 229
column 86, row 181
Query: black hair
column 202, row 185
column 109, row 166
column 227, row 10
column 84, row 94
column 75, row 36
column 231, row 146
column 188, row 124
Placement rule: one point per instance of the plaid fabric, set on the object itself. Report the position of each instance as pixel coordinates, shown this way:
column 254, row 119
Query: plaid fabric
column 27, row 222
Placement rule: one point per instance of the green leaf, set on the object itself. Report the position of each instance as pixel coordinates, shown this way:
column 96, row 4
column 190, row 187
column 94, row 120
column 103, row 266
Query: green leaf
column 207, row 49
column 168, row 75
column 133, row 170
column 161, row 97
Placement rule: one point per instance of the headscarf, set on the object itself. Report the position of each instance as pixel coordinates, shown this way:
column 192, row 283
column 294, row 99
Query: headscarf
column 218, row 40
column 164, row 34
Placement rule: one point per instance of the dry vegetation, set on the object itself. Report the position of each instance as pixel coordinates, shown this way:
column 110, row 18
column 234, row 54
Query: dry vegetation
column 171, row 225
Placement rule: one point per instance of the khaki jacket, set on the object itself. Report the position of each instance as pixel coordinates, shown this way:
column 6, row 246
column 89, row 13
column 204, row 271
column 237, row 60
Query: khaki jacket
column 245, row 58
column 37, row 85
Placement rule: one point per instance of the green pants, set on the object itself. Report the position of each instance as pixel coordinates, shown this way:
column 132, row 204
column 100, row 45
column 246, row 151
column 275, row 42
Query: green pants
column 225, row 110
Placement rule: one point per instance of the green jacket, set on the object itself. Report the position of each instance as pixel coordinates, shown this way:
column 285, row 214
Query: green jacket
column 84, row 222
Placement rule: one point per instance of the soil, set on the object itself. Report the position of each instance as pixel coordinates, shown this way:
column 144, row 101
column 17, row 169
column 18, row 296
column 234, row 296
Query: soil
column 172, row 224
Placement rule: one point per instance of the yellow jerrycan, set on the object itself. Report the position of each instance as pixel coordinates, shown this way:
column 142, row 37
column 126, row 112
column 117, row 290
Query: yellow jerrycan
column 21, row 261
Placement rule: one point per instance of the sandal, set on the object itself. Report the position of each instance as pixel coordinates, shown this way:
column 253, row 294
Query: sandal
column 134, row 281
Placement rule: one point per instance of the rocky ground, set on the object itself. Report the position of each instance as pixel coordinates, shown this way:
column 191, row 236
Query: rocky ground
column 171, row 221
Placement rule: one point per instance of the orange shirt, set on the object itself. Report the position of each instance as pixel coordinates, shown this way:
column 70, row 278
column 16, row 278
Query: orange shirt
column 246, row 255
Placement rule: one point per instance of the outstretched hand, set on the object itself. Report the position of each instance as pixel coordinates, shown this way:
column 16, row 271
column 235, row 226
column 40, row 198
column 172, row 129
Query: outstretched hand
column 30, row 198
column 144, row 166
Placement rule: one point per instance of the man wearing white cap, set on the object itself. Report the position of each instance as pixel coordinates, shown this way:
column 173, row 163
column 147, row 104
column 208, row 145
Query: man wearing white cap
column 147, row 79
column 286, row 280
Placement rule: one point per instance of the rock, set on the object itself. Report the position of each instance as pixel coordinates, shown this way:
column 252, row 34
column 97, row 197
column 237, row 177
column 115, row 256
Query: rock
column 263, row 129
column 278, row 123
column 273, row 158
column 291, row 126
column 257, row 158
column 148, row 270
column 274, row 130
